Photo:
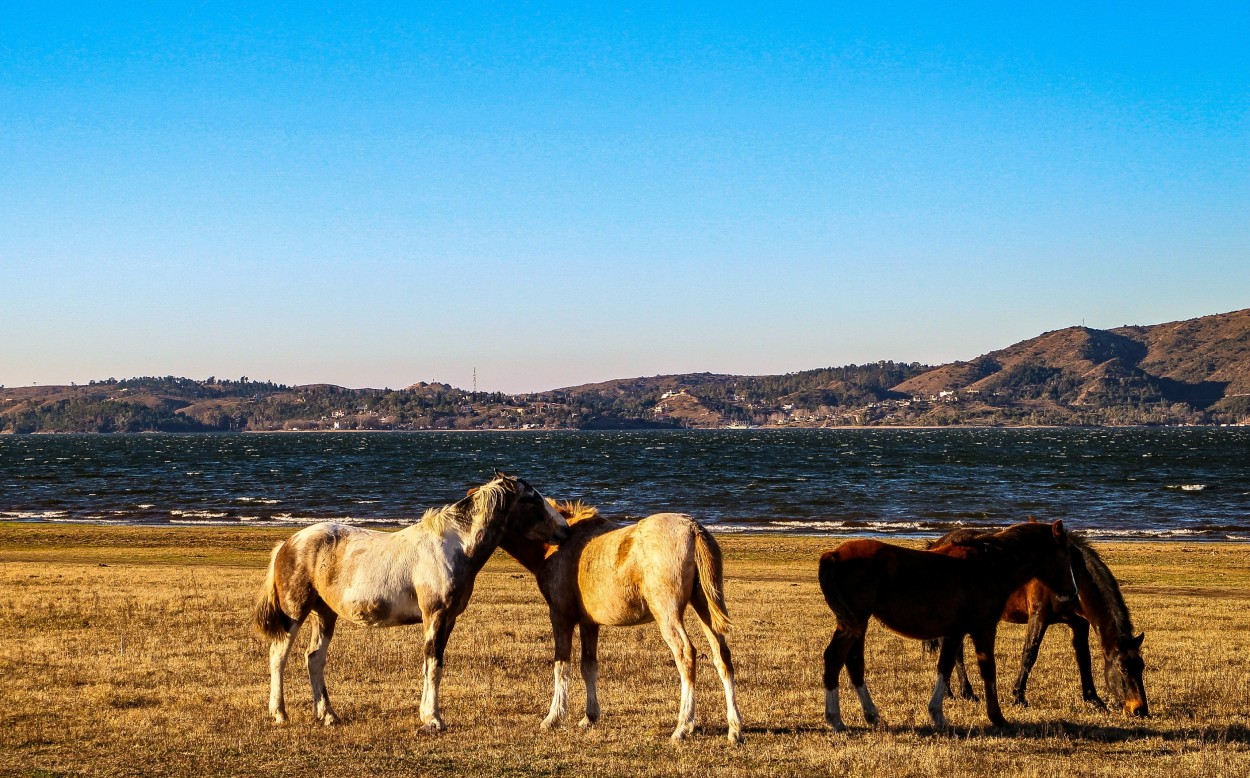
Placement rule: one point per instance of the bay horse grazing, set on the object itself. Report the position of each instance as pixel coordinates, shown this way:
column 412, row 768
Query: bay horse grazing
column 1098, row 603
column 923, row 595
column 421, row 574
column 609, row 574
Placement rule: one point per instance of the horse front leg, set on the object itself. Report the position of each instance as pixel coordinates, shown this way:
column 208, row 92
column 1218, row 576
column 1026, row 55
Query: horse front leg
column 835, row 657
column 590, row 672
column 951, row 646
column 438, row 626
column 563, row 633
column 1080, row 646
column 983, row 643
column 1028, row 657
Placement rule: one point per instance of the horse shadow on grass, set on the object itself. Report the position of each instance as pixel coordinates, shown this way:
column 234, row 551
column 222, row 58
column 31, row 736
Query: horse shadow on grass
column 1098, row 733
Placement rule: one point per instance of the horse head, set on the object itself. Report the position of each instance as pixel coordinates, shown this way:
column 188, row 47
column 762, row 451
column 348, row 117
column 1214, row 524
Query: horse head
column 531, row 515
column 1123, row 670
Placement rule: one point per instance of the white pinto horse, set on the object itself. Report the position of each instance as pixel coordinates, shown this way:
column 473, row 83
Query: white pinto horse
column 420, row 574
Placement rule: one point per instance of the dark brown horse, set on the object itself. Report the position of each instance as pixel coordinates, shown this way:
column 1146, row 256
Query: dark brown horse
column 1099, row 603
column 924, row 595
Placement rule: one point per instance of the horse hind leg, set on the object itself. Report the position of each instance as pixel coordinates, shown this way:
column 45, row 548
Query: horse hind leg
column 1028, row 657
column 323, row 620
column 836, row 653
column 724, row 665
column 674, row 633
column 279, row 651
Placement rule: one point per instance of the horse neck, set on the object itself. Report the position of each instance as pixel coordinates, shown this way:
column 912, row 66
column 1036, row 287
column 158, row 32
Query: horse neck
column 532, row 554
column 1101, row 601
column 482, row 538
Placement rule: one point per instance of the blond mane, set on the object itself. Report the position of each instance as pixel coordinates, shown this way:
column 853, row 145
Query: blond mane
column 575, row 511
column 481, row 503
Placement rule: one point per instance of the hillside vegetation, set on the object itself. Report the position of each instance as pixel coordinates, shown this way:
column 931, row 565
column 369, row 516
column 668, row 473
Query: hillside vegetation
column 1190, row 372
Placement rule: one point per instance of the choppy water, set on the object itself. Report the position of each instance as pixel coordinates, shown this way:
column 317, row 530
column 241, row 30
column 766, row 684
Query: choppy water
column 1155, row 483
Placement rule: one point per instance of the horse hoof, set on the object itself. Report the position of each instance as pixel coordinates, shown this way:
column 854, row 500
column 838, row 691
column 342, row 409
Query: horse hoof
column 735, row 738
column 549, row 725
column 1097, row 704
column 1020, row 702
column 435, row 727
column 586, row 722
column 280, row 719
column 331, row 720
column 836, row 726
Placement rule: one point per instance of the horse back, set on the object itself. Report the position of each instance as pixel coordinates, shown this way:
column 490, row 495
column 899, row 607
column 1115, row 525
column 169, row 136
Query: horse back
column 915, row 593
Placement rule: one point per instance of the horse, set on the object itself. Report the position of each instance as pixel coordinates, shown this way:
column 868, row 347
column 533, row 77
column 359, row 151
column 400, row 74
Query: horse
column 924, row 595
column 609, row 574
column 1099, row 603
column 421, row 574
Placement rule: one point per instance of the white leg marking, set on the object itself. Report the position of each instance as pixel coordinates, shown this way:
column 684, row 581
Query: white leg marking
column 935, row 702
column 560, row 698
column 430, row 715
column 865, row 700
column 833, row 710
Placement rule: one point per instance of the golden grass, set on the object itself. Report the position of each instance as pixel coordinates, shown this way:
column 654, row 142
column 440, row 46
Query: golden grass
column 128, row 652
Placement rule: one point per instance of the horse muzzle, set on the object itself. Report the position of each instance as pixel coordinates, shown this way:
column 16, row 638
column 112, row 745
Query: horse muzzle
column 1136, row 709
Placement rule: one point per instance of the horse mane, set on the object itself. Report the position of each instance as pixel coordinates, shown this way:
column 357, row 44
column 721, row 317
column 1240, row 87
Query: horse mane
column 575, row 511
column 482, row 502
column 1006, row 546
column 1109, row 598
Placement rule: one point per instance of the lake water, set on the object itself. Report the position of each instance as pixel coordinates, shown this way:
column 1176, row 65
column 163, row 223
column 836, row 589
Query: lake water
column 1191, row 483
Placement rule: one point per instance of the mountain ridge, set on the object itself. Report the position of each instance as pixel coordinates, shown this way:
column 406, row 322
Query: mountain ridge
column 1193, row 371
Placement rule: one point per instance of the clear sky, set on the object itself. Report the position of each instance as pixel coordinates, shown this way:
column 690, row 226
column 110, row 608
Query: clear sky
column 556, row 195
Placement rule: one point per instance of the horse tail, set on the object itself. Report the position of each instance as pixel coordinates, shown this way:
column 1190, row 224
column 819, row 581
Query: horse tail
column 707, row 560
column 268, row 618
column 829, row 588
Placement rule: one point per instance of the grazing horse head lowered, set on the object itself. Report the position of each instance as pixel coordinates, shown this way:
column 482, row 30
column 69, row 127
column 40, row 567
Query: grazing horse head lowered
column 1099, row 604
column 924, row 595
column 421, row 574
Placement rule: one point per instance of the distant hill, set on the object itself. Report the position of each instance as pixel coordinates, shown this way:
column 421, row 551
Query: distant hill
column 1189, row 372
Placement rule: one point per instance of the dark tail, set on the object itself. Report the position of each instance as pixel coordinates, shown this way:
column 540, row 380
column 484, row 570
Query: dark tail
column 829, row 587
column 707, row 559
column 268, row 618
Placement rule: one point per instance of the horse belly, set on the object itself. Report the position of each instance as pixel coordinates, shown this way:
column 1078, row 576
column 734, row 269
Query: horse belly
column 618, row 612
column 382, row 611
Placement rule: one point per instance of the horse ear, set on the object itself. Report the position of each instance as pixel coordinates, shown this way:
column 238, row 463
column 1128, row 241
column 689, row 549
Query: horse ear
column 1136, row 642
column 472, row 491
column 501, row 475
column 1057, row 528
column 1032, row 519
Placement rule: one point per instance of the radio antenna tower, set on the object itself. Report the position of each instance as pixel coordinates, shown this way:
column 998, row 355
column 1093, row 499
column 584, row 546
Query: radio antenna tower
column 475, row 380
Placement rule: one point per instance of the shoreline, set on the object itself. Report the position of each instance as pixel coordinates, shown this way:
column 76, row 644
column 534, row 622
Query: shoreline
column 85, row 526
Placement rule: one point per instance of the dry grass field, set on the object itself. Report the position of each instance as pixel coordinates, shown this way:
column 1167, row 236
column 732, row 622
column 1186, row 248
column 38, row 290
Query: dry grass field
column 127, row 651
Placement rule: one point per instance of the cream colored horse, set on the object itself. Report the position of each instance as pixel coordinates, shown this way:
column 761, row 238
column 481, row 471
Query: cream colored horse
column 420, row 574
column 608, row 574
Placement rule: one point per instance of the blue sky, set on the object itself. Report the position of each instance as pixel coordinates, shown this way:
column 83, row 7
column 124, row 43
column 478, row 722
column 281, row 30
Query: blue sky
column 557, row 194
